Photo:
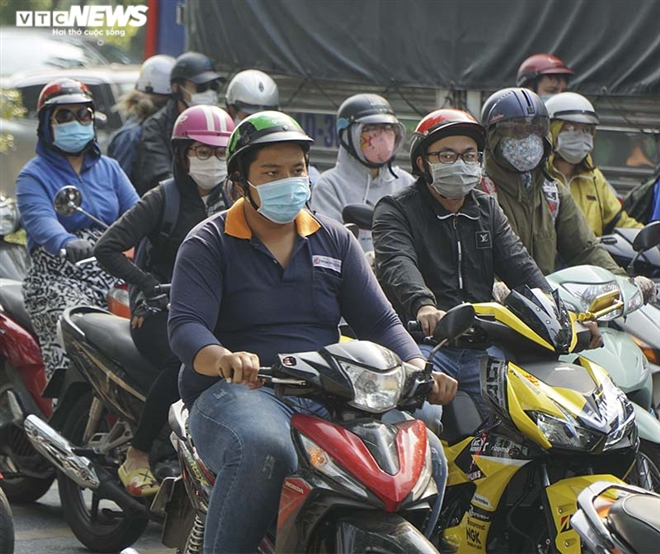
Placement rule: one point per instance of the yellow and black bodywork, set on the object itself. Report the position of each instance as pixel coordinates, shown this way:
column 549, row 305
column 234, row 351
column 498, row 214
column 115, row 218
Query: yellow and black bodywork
column 556, row 428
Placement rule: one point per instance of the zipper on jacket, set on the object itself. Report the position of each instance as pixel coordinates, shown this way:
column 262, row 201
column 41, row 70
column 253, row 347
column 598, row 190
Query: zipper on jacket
column 460, row 254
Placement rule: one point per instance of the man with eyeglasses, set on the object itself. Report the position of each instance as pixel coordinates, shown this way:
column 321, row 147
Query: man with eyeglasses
column 440, row 242
column 369, row 136
column 194, row 81
column 573, row 123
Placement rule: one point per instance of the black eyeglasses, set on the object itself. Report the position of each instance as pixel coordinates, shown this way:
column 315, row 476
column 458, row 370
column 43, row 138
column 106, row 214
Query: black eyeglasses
column 205, row 152
column 84, row 115
column 450, row 156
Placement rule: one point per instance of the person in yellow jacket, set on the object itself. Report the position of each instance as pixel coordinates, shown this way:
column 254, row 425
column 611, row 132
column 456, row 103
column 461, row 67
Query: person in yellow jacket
column 573, row 123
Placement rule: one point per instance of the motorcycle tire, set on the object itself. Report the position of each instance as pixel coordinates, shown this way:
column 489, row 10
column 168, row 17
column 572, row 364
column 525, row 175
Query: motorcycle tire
column 6, row 525
column 100, row 527
column 645, row 472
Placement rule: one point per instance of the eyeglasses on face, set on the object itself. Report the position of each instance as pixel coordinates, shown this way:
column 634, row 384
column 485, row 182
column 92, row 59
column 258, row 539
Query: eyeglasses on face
column 213, row 85
column 523, row 127
column 84, row 115
column 378, row 127
column 450, row 157
column 202, row 152
column 579, row 128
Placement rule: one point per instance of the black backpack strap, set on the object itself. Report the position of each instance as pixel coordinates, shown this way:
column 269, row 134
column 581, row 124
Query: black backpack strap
column 171, row 210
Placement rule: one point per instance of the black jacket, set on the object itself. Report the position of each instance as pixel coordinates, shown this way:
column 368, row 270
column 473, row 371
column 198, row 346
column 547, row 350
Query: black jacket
column 145, row 220
column 426, row 255
column 153, row 159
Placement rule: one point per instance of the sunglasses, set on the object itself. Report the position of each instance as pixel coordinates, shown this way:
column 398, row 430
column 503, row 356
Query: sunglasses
column 213, row 85
column 83, row 115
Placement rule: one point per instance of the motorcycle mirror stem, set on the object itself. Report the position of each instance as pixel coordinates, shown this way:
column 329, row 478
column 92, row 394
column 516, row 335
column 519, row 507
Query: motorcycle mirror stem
column 68, row 200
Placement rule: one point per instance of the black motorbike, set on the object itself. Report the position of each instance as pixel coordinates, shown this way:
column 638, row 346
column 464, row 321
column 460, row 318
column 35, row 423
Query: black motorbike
column 102, row 417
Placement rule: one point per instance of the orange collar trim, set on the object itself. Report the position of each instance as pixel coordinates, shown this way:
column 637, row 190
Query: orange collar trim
column 236, row 224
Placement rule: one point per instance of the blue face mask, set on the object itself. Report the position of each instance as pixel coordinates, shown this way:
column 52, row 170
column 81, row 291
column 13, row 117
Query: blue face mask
column 72, row 137
column 281, row 201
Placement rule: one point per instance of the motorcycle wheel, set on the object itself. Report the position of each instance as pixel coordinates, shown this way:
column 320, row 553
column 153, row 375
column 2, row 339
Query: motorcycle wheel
column 22, row 490
column 98, row 523
column 645, row 472
column 6, row 525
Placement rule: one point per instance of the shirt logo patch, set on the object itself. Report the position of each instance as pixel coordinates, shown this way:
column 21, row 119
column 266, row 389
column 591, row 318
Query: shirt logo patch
column 483, row 239
column 326, row 262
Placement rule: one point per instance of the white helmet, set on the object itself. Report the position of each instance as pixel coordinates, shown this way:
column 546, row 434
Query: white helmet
column 252, row 91
column 155, row 75
column 570, row 106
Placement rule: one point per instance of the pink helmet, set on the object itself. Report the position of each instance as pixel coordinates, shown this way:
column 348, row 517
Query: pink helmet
column 207, row 124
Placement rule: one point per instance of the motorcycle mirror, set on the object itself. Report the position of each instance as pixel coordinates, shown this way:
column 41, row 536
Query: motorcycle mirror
column 455, row 322
column 67, row 200
column 361, row 215
column 353, row 228
column 648, row 237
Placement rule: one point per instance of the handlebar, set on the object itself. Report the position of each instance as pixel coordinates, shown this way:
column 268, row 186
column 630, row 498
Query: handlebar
column 267, row 374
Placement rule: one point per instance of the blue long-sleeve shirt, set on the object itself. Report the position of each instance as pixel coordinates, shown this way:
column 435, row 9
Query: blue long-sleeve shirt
column 106, row 190
column 228, row 289
column 655, row 211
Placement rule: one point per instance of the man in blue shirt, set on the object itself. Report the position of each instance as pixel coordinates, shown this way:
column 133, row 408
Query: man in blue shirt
column 266, row 277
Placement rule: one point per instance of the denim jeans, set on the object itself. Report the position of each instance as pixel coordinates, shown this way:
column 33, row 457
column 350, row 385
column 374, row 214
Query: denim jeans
column 463, row 365
column 244, row 437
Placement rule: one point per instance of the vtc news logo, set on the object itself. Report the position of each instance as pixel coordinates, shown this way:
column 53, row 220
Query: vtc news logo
column 85, row 16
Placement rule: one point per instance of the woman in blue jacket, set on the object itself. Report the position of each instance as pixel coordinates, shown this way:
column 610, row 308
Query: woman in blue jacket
column 67, row 154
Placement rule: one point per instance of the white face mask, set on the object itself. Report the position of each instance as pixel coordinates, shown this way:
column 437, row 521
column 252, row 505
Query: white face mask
column 455, row 181
column 208, row 97
column 574, row 146
column 208, row 174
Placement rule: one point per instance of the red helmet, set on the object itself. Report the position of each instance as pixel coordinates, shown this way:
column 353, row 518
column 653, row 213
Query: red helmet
column 440, row 124
column 64, row 91
column 540, row 64
column 207, row 124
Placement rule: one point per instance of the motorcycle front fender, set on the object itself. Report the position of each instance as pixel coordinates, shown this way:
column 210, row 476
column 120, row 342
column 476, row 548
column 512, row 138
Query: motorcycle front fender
column 562, row 502
column 368, row 531
column 648, row 426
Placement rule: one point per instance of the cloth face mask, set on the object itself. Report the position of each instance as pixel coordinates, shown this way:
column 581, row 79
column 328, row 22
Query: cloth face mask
column 282, row 200
column 574, row 146
column 455, row 181
column 208, row 173
column 72, row 137
column 523, row 154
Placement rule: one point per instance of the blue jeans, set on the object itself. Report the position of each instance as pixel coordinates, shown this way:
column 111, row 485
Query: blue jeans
column 244, row 437
column 463, row 365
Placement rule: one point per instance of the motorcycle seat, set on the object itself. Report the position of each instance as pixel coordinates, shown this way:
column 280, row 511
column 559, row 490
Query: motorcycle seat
column 636, row 520
column 11, row 300
column 112, row 336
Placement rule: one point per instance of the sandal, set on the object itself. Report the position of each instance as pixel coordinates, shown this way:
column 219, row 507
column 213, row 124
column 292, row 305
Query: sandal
column 139, row 482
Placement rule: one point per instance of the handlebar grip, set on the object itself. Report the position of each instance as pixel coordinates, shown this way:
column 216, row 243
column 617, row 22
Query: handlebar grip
column 162, row 289
column 414, row 326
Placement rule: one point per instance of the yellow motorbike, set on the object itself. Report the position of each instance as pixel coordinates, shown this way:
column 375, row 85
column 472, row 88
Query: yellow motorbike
column 554, row 429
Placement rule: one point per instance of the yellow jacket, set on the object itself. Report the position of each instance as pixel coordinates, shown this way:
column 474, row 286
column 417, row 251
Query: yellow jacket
column 593, row 194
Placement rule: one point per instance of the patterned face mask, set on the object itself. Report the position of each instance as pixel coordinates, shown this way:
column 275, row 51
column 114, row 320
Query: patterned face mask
column 523, row 154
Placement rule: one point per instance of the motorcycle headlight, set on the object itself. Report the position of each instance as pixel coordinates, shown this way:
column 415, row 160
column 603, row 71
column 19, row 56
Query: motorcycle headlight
column 321, row 461
column 565, row 433
column 587, row 293
column 372, row 391
column 8, row 216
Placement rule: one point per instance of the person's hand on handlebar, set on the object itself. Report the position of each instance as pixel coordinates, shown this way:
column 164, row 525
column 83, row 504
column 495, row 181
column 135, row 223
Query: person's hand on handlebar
column 78, row 249
column 428, row 317
column 444, row 389
column 240, row 367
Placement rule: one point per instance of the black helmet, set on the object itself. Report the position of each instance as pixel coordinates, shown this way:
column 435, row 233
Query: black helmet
column 364, row 109
column 512, row 103
column 262, row 128
column 195, row 67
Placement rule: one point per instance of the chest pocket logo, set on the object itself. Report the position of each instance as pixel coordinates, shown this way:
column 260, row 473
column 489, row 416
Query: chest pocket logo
column 483, row 239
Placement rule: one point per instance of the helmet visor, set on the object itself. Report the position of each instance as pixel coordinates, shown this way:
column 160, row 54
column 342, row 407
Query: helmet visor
column 521, row 127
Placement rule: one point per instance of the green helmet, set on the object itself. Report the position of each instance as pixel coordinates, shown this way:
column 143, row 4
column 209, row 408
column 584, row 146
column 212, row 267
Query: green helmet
column 261, row 128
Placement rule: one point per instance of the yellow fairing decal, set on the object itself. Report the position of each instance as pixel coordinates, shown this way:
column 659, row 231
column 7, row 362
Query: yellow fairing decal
column 455, row 475
column 505, row 316
column 520, row 394
column 562, row 497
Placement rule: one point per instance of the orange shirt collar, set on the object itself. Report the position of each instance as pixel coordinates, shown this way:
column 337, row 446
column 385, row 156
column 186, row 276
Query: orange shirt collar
column 236, row 224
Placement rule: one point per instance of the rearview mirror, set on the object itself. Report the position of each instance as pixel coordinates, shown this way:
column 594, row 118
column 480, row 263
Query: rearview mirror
column 455, row 322
column 648, row 237
column 67, row 200
column 361, row 215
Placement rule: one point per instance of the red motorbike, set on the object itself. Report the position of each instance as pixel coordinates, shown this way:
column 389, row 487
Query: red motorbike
column 364, row 480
